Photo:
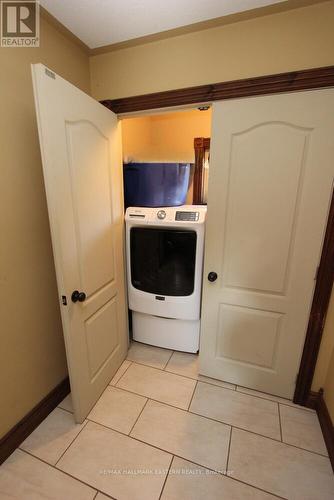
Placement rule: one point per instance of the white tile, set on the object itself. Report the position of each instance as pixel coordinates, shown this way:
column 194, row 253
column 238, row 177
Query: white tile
column 100, row 496
column 190, row 482
column 117, row 409
column 302, row 429
column 278, row 399
column 51, row 438
column 149, row 355
column 66, row 403
column 279, row 468
column 181, row 433
column 186, row 364
column 183, row 363
column 159, row 385
column 234, row 408
column 23, row 477
column 213, row 381
column 116, row 464
column 121, row 370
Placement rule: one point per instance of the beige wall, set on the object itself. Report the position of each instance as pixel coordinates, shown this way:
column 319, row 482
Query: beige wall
column 324, row 372
column 165, row 137
column 326, row 349
column 329, row 387
column 291, row 40
column 32, row 357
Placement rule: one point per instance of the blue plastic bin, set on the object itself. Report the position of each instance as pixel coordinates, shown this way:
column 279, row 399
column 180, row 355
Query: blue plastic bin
column 156, row 184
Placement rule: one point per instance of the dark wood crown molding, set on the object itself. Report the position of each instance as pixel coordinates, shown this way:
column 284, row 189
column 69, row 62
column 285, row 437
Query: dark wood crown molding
column 260, row 85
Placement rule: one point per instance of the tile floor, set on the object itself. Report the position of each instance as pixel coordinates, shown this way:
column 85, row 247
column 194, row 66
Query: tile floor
column 161, row 431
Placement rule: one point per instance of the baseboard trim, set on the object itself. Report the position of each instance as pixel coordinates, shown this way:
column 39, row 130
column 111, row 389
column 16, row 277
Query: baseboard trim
column 326, row 426
column 22, row 429
column 316, row 401
column 312, row 400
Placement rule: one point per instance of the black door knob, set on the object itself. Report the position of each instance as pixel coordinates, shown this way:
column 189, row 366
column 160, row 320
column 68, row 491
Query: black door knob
column 212, row 276
column 78, row 296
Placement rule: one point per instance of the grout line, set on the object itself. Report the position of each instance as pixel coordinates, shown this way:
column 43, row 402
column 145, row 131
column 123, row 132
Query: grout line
column 165, row 481
column 280, row 422
column 141, row 411
column 192, row 396
column 64, row 409
column 297, row 407
column 288, row 403
column 110, row 428
column 257, row 488
column 61, row 456
column 235, row 388
column 68, row 474
column 156, row 400
column 228, row 451
column 256, row 433
column 95, row 495
column 170, row 357
column 187, row 459
column 100, row 491
column 221, row 422
column 187, row 377
column 126, row 369
column 204, row 416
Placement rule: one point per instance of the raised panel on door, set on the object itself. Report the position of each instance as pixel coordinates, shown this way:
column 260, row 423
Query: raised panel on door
column 81, row 153
column 101, row 341
column 271, row 177
column 248, row 335
column 265, row 178
column 89, row 164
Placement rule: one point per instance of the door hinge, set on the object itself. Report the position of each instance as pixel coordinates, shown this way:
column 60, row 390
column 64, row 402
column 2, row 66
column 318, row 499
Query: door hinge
column 64, row 300
column 50, row 73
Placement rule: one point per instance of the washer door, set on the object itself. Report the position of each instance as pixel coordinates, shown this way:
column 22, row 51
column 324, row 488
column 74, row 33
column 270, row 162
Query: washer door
column 163, row 261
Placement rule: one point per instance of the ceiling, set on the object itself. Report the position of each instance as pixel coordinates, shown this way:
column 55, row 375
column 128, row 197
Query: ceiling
column 104, row 22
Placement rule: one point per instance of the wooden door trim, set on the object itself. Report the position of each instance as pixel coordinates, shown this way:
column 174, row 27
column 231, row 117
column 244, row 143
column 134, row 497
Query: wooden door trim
column 269, row 84
column 317, row 401
column 321, row 298
column 201, row 145
column 306, row 79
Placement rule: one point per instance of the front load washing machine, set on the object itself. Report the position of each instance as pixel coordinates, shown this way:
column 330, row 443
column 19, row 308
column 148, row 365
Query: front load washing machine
column 164, row 271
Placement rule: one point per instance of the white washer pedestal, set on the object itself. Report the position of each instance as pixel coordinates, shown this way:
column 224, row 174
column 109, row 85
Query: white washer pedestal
column 176, row 334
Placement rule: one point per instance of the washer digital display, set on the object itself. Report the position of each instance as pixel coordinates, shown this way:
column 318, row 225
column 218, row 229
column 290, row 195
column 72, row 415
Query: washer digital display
column 186, row 216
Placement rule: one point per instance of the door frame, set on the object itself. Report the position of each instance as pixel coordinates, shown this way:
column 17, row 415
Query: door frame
column 315, row 78
column 201, row 145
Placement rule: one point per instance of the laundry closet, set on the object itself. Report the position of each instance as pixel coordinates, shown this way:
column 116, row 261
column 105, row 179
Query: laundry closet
column 164, row 157
column 267, row 179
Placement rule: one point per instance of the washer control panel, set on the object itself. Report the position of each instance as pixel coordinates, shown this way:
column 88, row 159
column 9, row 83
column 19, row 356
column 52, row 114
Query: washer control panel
column 161, row 214
column 186, row 216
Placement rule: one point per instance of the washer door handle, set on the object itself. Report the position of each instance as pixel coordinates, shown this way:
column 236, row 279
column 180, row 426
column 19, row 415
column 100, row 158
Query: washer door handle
column 212, row 276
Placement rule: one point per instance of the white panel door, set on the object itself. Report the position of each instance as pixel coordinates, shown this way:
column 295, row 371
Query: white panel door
column 270, row 185
column 81, row 154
